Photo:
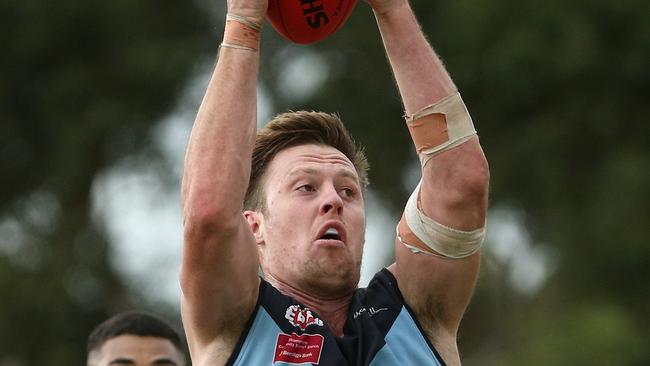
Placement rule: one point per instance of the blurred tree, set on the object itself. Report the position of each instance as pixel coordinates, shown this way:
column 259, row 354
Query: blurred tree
column 81, row 83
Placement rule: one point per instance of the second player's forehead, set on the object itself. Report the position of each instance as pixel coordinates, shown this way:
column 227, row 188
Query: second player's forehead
column 128, row 348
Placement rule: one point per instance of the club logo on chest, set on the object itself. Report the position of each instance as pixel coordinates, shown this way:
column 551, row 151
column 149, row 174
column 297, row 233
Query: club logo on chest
column 301, row 317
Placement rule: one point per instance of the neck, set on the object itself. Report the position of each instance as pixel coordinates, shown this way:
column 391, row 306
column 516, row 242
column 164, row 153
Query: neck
column 332, row 308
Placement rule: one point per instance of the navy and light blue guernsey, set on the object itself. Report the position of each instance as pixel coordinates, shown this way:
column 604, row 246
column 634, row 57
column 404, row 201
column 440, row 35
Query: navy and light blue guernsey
column 380, row 330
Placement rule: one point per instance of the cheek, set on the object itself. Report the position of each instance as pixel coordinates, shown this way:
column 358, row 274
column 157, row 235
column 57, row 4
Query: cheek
column 285, row 227
column 291, row 214
column 360, row 224
column 359, row 217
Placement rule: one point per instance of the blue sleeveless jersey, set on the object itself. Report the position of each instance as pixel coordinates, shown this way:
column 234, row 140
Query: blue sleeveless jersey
column 380, row 330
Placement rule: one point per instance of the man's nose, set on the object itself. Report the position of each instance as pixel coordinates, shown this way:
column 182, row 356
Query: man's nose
column 332, row 202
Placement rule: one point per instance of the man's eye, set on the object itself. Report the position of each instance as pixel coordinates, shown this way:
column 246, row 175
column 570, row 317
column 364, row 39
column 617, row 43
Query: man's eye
column 306, row 188
column 348, row 192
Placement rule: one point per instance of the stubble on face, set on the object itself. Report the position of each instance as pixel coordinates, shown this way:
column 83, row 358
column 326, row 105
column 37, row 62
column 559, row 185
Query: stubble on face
column 320, row 268
column 323, row 271
column 294, row 258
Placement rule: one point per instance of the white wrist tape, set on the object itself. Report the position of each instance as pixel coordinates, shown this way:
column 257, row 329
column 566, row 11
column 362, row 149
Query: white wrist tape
column 440, row 127
column 421, row 234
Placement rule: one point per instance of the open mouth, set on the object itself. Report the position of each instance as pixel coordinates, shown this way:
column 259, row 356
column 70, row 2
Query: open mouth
column 331, row 234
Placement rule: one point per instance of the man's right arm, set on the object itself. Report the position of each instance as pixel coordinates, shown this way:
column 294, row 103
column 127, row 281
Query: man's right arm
column 219, row 268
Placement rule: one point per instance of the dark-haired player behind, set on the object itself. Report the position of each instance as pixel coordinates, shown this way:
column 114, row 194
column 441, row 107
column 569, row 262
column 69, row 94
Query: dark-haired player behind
column 134, row 339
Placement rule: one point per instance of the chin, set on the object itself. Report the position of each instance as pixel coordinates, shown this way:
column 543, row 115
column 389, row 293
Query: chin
column 335, row 276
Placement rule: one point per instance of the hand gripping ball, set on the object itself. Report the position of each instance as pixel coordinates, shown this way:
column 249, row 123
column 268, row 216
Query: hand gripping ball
column 308, row 21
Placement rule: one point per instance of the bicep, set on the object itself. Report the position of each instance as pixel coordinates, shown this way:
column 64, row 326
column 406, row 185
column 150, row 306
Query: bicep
column 219, row 283
column 454, row 194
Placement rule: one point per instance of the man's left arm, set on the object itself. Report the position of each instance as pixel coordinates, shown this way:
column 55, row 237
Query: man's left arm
column 453, row 191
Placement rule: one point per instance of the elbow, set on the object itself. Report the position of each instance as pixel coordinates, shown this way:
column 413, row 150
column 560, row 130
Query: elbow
column 469, row 178
column 205, row 222
column 206, row 232
column 470, row 185
column 474, row 179
column 461, row 185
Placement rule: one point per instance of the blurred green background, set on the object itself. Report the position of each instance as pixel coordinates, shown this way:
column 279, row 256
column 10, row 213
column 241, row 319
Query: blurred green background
column 95, row 96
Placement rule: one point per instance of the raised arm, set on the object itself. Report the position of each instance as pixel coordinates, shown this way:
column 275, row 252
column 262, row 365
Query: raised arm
column 218, row 276
column 454, row 182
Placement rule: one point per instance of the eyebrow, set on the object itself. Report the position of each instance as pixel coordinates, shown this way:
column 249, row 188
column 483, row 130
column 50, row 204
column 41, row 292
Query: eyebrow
column 158, row 362
column 122, row 361
column 164, row 362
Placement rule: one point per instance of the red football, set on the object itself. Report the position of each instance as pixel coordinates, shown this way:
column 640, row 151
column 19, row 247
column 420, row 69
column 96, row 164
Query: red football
column 308, row 21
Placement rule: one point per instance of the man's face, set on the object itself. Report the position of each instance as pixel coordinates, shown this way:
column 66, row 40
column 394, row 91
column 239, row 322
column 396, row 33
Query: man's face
column 312, row 232
column 132, row 350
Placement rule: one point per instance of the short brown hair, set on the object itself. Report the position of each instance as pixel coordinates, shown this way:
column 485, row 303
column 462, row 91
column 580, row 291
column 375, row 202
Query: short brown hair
column 299, row 128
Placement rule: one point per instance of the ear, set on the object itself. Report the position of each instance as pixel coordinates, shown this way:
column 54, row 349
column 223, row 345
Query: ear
column 255, row 222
